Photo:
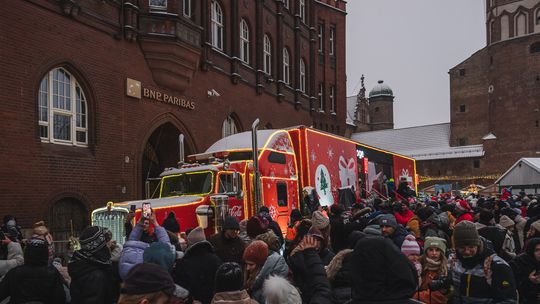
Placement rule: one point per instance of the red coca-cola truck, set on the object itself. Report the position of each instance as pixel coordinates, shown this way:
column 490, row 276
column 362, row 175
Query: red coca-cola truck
column 227, row 180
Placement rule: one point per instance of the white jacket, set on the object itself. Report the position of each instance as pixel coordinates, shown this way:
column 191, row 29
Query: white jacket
column 14, row 258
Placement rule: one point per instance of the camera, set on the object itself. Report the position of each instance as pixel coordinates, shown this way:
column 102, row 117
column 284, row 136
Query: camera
column 439, row 283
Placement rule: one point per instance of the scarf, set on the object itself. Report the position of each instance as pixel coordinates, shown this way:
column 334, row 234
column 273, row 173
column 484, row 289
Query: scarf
column 94, row 246
column 440, row 266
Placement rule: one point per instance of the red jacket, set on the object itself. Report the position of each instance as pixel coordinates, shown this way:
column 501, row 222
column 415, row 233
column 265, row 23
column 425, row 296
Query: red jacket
column 403, row 218
column 465, row 217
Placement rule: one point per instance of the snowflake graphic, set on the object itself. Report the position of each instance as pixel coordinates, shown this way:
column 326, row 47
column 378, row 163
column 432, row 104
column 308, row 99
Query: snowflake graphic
column 330, row 153
column 268, row 185
column 286, row 171
column 313, row 156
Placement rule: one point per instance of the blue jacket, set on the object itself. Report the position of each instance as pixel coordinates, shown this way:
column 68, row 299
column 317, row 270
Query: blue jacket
column 132, row 254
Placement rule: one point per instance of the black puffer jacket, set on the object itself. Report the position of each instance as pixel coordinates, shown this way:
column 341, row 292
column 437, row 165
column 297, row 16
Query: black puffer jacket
column 381, row 273
column 196, row 271
column 27, row 283
column 92, row 283
column 339, row 275
column 228, row 250
column 310, row 276
column 522, row 266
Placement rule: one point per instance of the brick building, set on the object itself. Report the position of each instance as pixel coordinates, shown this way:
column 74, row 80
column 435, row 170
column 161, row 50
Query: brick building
column 494, row 105
column 95, row 93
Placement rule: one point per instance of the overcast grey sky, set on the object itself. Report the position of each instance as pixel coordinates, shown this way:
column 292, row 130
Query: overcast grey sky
column 411, row 45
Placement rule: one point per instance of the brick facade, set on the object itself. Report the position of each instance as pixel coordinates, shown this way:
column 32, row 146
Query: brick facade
column 102, row 43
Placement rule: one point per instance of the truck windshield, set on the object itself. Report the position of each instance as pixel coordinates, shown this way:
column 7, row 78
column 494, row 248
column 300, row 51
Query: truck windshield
column 192, row 183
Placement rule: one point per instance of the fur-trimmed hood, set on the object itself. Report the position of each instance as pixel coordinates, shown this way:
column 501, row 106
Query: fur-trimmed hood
column 278, row 290
column 335, row 265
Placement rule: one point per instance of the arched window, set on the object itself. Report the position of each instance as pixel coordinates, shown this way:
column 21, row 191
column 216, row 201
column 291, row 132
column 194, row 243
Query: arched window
column 217, row 25
column 505, row 27
column 302, row 76
column 286, row 67
column 244, row 41
column 302, row 10
column 521, row 24
column 62, row 108
column 229, row 127
column 267, row 55
column 537, row 20
column 286, row 3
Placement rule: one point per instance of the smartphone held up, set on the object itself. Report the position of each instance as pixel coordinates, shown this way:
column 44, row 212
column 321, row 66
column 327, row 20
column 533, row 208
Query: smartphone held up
column 146, row 210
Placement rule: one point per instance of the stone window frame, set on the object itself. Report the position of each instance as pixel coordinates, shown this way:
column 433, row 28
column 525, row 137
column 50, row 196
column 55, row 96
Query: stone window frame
column 332, row 40
column 61, row 96
column 218, row 26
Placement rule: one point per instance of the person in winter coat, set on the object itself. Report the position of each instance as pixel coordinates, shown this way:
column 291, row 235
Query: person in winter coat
column 519, row 225
column 171, row 224
column 324, row 253
column 381, row 273
column 92, row 279
column 195, row 272
column 508, row 250
column 338, row 230
column 301, row 261
column 148, row 283
column 338, row 271
column 278, row 290
column 11, row 229
column 227, row 245
column 14, row 256
column 526, row 268
column 434, row 267
column 35, row 281
column 463, row 212
column 132, row 253
column 229, row 284
column 256, row 225
column 161, row 254
column 294, row 221
column 478, row 274
column 392, row 230
column 411, row 250
column 402, row 213
column 264, row 212
column 301, row 231
column 259, row 266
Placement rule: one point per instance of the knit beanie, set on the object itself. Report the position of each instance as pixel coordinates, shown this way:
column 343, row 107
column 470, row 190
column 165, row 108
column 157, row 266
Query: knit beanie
column 435, row 242
column 536, row 225
column 256, row 252
column 148, row 278
column 270, row 238
column 229, row 277
column 373, row 230
column 36, row 252
column 231, row 223
column 410, row 246
column 161, row 254
column 388, row 220
column 316, row 233
column 506, row 222
column 256, row 225
column 195, row 236
column 319, row 221
column 465, row 234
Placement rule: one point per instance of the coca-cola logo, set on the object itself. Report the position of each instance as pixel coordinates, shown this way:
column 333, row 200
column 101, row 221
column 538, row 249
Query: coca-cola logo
column 236, row 211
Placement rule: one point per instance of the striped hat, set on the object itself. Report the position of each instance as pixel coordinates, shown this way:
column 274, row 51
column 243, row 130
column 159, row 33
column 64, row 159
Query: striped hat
column 410, row 246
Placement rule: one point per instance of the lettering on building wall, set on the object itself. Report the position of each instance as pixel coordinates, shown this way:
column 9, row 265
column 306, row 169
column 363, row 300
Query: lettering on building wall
column 133, row 89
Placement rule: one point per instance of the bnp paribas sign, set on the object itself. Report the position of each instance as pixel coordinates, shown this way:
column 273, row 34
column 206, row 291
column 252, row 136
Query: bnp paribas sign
column 135, row 89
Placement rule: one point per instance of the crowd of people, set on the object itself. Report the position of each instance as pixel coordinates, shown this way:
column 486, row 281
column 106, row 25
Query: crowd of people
column 441, row 249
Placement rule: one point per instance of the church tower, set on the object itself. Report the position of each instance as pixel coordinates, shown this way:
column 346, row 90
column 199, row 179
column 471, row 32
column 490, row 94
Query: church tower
column 381, row 107
column 361, row 114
